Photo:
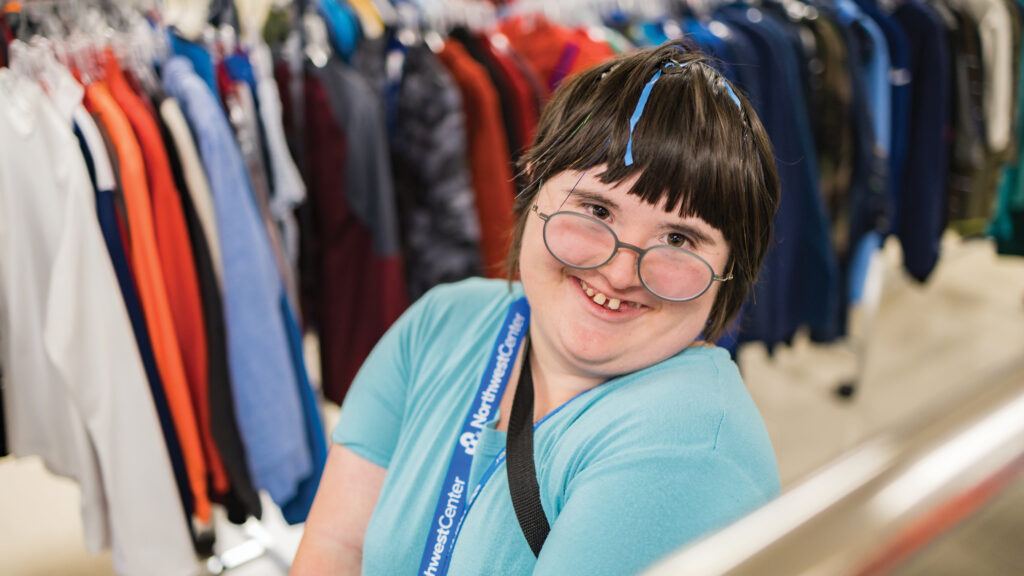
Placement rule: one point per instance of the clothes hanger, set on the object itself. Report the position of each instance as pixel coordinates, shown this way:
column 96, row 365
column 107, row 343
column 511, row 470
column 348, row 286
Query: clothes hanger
column 317, row 46
column 387, row 11
column 430, row 23
column 143, row 54
column 187, row 17
column 407, row 24
column 252, row 16
column 227, row 39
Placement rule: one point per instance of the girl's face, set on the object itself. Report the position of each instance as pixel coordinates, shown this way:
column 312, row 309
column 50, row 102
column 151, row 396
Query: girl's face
column 593, row 340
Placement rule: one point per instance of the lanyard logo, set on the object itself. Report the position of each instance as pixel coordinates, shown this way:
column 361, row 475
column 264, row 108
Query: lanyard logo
column 468, row 441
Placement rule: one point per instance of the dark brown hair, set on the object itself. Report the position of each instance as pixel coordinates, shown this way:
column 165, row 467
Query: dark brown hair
column 693, row 147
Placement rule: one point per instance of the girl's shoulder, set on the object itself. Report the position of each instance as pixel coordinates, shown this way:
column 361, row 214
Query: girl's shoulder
column 457, row 306
column 693, row 403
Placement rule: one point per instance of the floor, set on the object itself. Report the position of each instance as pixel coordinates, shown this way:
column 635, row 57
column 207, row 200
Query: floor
column 925, row 346
column 992, row 539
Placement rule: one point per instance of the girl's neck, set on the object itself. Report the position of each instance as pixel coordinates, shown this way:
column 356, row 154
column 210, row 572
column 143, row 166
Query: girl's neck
column 553, row 384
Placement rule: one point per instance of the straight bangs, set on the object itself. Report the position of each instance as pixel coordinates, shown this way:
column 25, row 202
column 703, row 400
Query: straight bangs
column 690, row 145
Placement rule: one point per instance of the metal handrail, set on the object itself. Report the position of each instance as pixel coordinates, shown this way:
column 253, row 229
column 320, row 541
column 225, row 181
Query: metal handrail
column 872, row 508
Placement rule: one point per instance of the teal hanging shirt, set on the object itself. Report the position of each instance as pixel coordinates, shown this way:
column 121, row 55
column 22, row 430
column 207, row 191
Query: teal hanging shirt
column 628, row 471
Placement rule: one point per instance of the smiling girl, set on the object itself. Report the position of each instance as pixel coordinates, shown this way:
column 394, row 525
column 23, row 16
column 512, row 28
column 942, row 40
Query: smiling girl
column 648, row 205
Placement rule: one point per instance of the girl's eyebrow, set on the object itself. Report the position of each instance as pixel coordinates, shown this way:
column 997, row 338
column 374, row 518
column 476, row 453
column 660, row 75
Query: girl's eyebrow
column 695, row 232
column 593, row 197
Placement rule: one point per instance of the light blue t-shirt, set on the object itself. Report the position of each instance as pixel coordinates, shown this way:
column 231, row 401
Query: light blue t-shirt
column 628, row 471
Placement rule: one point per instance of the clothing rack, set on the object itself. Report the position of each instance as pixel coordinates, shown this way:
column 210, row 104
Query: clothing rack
column 258, row 542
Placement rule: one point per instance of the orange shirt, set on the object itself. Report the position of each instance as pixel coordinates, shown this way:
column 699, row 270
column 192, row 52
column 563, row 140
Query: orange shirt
column 488, row 155
column 176, row 260
column 149, row 279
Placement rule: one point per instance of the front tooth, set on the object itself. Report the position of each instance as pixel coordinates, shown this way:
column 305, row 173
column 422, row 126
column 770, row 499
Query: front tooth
column 600, row 298
column 590, row 292
column 613, row 304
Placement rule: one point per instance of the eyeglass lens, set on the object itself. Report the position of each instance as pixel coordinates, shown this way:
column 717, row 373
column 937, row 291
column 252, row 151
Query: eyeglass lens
column 583, row 242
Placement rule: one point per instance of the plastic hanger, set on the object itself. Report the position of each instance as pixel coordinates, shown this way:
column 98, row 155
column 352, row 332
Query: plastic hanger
column 317, row 48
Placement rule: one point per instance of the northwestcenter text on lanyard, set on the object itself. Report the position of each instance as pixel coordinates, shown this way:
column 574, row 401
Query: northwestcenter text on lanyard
column 452, row 501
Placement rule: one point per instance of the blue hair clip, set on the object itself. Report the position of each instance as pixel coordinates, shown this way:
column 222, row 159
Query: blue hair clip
column 642, row 103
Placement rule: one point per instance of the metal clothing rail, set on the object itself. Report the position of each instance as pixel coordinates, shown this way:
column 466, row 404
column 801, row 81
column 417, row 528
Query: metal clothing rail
column 874, row 507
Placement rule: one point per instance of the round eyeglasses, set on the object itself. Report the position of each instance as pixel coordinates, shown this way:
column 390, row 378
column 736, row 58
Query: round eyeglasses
column 584, row 242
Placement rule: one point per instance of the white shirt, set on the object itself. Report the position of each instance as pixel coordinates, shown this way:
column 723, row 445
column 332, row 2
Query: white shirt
column 75, row 385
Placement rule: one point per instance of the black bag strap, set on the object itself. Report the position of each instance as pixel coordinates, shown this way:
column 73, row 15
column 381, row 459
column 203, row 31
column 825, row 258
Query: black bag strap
column 522, row 472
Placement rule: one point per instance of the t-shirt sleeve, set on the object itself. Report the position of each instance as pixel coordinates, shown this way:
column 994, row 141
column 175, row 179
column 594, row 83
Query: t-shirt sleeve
column 373, row 409
column 625, row 512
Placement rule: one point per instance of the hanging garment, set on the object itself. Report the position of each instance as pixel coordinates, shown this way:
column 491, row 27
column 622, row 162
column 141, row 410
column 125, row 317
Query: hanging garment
column 800, row 275
column 1008, row 225
column 43, row 418
column 996, row 34
column 360, row 283
column 267, row 404
column 75, row 386
column 554, row 52
column 919, row 217
column 342, row 26
column 742, row 50
column 869, row 214
column 877, row 91
column 527, row 107
column 985, row 99
column 241, row 108
column 859, row 212
column 288, row 188
column 202, row 62
column 436, row 204
column 176, row 260
column 152, row 288
column 296, row 510
column 899, row 78
column 969, row 155
column 5, row 39
column 475, row 47
column 831, row 108
column 4, row 451
column 243, row 114
column 242, row 500
column 196, row 183
column 491, row 174
column 395, row 68
column 96, row 150
column 536, row 87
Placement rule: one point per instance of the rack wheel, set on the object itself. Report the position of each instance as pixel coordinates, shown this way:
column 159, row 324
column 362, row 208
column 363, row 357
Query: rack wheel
column 204, row 543
column 846, row 390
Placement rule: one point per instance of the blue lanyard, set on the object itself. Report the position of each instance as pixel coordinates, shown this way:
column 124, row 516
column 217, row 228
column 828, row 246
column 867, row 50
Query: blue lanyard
column 452, row 502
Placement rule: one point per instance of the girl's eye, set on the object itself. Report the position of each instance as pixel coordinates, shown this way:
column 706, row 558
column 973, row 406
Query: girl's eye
column 598, row 211
column 677, row 240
